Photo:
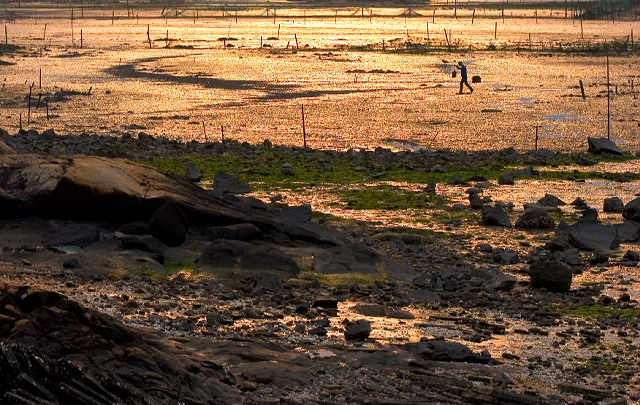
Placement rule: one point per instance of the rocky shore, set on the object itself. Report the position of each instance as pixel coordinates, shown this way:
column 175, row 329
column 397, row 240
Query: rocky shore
column 133, row 286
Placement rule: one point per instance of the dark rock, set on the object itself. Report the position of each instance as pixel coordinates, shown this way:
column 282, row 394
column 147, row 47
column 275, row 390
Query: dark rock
column 554, row 276
column 287, row 169
column 268, row 285
column 354, row 258
column 358, row 330
column 326, row 302
column 244, row 232
column 275, row 373
column 613, row 204
column 507, row 179
column 427, row 297
column 495, row 280
column 169, row 224
column 493, row 216
column 603, row 145
column 5, row 150
column 301, row 213
column 146, row 244
column 442, row 350
column 231, row 258
column 570, row 256
column 590, row 236
column 632, row 255
column 374, row 310
column 71, row 264
column 193, row 174
column 225, row 183
column 75, row 234
column 631, row 210
column 400, row 314
column 506, row 256
column 318, row 331
column 551, row 200
column 535, row 219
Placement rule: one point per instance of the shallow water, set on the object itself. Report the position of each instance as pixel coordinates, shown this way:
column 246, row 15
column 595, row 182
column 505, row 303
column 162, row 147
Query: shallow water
column 351, row 99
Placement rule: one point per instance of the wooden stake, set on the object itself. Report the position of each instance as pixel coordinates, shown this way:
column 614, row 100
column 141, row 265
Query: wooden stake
column 6, row 36
column 495, row 31
column 582, row 90
column 473, row 16
column 81, row 39
column 149, row 35
column 29, row 105
column 278, row 31
column 44, row 33
column 222, row 132
column 20, row 122
column 113, row 16
column 296, row 37
column 304, row 130
column 581, row 30
column 40, row 74
column 204, row 131
column 608, row 101
column 537, row 127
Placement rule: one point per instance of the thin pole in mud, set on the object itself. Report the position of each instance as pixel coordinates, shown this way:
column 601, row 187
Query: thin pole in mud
column 335, row 18
column 274, row 15
column 44, row 33
column 537, row 127
column 296, row 37
column 608, row 101
column 40, row 74
column 29, row 104
column 304, row 130
column 581, row 30
column 448, row 39
column 473, row 16
column 204, row 131
column 222, row 133
column 20, row 122
column 47, row 106
column 81, row 39
column 6, row 35
column 495, row 31
column 149, row 35
column 236, row 16
column 455, row 9
column 166, row 39
column 279, row 31
column 433, row 19
column 428, row 39
column 113, row 16
column 536, row 14
column 584, row 97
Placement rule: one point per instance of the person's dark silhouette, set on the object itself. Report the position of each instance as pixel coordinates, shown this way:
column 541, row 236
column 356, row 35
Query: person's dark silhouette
column 463, row 77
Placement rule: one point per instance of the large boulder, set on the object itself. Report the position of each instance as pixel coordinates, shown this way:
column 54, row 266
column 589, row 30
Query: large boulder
column 225, row 183
column 613, row 204
column 592, row 236
column 5, row 150
column 494, row 216
column 535, row 218
column 552, row 275
column 238, row 259
column 631, row 210
column 121, row 191
column 603, row 145
column 169, row 224
column 355, row 258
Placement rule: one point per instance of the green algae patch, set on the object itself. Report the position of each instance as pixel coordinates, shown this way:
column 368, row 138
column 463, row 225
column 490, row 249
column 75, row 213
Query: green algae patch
column 596, row 312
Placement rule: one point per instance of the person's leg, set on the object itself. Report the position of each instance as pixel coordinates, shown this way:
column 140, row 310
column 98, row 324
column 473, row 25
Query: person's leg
column 469, row 86
column 461, row 84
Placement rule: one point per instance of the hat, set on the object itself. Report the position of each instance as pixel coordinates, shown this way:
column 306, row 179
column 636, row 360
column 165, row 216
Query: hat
column 459, row 63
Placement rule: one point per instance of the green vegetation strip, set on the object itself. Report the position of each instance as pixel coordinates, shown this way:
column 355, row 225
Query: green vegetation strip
column 596, row 312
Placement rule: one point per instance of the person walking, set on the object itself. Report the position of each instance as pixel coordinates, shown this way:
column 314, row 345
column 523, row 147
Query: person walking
column 463, row 77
